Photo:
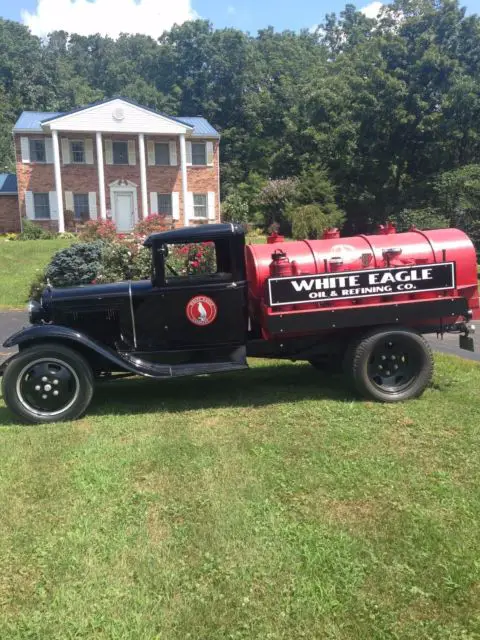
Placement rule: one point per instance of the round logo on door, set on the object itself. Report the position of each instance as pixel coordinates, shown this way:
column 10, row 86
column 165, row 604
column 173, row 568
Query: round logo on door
column 201, row 311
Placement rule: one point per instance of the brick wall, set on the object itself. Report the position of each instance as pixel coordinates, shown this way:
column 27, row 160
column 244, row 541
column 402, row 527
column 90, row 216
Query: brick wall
column 9, row 217
column 39, row 177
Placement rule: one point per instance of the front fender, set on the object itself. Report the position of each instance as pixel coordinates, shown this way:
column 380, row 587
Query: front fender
column 50, row 332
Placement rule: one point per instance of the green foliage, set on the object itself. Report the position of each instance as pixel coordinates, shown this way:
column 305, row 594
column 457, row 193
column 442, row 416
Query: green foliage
column 121, row 261
column 427, row 218
column 32, row 231
column 311, row 220
column 76, row 265
column 235, row 208
column 274, row 199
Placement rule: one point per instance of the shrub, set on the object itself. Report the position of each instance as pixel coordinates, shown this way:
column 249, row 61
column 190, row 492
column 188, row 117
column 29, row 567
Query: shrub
column 124, row 261
column 98, row 230
column 235, row 208
column 311, row 220
column 151, row 224
column 427, row 218
column 192, row 259
column 37, row 285
column 78, row 264
column 32, row 231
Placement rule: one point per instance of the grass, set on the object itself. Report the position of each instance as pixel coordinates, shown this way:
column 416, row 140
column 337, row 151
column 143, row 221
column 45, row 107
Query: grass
column 265, row 504
column 18, row 264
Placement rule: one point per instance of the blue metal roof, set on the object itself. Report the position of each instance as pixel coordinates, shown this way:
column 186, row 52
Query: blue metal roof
column 8, row 183
column 32, row 120
column 201, row 126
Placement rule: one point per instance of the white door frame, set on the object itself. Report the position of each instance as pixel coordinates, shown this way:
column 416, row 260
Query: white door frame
column 124, row 186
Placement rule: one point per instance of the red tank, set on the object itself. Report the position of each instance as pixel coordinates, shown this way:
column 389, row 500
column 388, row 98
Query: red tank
column 380, row 269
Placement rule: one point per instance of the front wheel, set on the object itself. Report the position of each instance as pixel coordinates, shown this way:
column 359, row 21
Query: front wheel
column 48, row 383
column 390, row 364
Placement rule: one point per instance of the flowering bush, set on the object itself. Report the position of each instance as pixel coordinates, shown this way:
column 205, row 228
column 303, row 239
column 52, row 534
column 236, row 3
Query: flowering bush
column 123, row 261
column 151, row 224
column 98, row 230
column 192, row 259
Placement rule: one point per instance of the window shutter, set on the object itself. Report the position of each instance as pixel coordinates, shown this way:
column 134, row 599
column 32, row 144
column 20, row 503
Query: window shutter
column 108, row 152
column 153, row 202
column 66, row 150
column 176, row 205
column 210, row 154
column 211, row 205
column 173, row 153
column 29, row 206
column 48, row 150
column 189, row 208
column 53, row 205
column 189, row 154
column 89, row 151
column 69, row 205
column 151, row 153
column 132, row 154
column 25, row 149
column 92, row 205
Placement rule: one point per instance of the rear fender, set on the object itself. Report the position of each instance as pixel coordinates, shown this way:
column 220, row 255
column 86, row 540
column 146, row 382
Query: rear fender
column 36, row 334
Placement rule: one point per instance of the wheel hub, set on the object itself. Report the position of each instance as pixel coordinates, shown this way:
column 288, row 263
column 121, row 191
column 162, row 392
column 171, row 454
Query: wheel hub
column 393, row 365
column 47, row 387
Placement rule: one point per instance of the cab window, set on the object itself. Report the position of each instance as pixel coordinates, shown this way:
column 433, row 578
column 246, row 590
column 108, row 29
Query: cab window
column 197, row 261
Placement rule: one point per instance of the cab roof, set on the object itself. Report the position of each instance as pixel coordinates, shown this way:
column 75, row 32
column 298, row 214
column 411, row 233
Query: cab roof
column 201, row 233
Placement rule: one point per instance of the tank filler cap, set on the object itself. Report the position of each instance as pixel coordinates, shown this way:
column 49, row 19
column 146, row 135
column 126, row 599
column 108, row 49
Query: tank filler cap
column 392, row 251
column 337, row 260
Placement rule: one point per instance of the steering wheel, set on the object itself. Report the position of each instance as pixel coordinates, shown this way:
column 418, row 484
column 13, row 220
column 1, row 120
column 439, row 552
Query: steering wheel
column 172, row 270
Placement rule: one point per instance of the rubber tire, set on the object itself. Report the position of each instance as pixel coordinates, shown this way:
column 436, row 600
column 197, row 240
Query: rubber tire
column 358, row 355
column 59, row 352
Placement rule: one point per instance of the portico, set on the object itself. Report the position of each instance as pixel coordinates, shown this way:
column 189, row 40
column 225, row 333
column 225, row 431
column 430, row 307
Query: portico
column 111, row 121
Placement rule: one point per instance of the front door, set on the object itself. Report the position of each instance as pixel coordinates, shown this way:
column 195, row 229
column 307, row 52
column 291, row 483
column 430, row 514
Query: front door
column 124, row 212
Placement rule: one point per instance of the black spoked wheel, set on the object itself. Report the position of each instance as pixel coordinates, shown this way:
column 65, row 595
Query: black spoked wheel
column 390, row 365
column 48, row 384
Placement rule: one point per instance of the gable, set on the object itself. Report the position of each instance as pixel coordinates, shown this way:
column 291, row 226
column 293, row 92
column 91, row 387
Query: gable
column 116, row 116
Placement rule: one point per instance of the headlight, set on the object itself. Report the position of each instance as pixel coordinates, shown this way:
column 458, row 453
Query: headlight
column 35, row 311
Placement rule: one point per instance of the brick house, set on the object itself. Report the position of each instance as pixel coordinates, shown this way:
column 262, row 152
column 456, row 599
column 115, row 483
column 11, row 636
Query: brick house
column 118, row 160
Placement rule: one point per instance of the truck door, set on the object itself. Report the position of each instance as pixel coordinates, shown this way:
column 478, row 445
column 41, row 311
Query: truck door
column 205, row 305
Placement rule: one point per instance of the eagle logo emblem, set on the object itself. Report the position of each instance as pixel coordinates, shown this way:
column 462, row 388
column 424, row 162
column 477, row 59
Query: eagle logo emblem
column 201, row 311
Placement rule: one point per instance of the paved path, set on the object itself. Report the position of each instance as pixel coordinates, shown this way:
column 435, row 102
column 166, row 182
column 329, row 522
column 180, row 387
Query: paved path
column 11, row 321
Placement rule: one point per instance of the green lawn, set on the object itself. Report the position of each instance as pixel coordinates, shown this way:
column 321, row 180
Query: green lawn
column 18, row 264
column 269, row 504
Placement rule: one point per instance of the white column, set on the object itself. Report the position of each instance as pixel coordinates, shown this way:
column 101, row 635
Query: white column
column 143, row 174
column 58, row 181
column 183, row 163
column 101, row 177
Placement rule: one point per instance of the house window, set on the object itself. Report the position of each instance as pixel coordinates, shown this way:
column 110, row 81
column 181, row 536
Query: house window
column 78, row 151
column 200, row 207
column 120, row 152
column 162, row 153
column 37, row 151
column 199, row 153
column 81, row 206
column 165, row 204
column 41, row 205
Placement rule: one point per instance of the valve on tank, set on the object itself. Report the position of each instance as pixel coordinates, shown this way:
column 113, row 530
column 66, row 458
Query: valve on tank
column 386, row 229
column 280, row 266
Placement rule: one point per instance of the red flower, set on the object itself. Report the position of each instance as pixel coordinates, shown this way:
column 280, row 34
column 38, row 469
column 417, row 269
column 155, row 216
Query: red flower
column 195, row 263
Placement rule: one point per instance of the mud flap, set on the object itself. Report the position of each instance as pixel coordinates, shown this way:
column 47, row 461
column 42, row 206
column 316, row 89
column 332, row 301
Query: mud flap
column 466, row 343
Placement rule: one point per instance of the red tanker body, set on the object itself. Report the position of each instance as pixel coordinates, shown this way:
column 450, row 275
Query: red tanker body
column 361, row 273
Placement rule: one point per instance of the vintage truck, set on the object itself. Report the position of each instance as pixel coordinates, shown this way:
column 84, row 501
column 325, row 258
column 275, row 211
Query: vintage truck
column 363, row 302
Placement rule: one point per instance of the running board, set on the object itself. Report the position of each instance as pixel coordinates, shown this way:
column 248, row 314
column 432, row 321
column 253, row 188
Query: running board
column 154, row 370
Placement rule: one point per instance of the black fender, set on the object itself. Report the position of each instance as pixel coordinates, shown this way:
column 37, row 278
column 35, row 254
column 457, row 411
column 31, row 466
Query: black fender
column 51, row 332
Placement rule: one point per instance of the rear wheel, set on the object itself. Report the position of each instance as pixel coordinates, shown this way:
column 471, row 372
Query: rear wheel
column 390, row 365
column 48, row 383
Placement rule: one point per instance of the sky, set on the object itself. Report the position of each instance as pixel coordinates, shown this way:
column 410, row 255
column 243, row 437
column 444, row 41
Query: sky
column 152, row 17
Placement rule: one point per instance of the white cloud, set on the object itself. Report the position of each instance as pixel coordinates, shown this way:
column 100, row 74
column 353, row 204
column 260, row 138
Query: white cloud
column 108, row 17
column 231, row 10
column 372, row 10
